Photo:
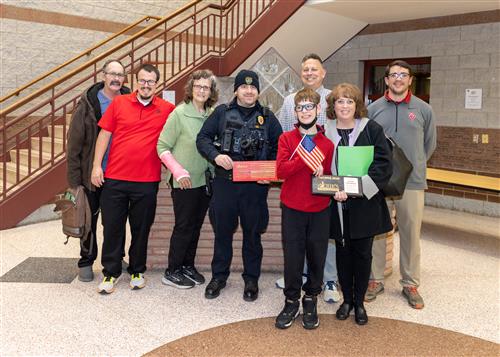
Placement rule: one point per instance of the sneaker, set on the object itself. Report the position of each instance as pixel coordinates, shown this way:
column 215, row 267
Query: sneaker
column 288, row 314
column 177, row 279
column 280, row 283
column 86, row 274
column 310, row 318
column 331, row 293
column 108, row 284
column 374, row 288
column 192, row 274
column 137, row 281
column 413, row 297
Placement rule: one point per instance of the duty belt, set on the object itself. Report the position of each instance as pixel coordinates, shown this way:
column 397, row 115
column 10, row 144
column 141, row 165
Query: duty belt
column 220, row 172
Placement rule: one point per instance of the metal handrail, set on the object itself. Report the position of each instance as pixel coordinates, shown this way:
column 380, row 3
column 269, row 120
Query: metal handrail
column 87, row 52
column 193, row 36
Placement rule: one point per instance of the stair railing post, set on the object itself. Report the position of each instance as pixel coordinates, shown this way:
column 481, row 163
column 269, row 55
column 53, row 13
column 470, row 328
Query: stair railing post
column 4, row 156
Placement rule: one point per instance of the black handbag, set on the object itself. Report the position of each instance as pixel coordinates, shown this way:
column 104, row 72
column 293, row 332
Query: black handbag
column 401, row 170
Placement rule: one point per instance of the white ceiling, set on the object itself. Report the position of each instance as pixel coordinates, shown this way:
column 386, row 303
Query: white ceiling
column 380, row 11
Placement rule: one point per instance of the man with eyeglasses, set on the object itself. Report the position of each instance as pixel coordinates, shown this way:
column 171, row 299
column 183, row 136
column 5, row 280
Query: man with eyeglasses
column 312, row 75
column 82, row 135
column 130, row 182
column 410, row 122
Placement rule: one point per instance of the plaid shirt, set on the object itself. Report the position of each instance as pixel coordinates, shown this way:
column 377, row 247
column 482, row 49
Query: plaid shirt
column 287, row 116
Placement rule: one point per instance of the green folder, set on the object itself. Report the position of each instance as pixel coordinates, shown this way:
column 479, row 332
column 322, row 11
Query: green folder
column 354, row 160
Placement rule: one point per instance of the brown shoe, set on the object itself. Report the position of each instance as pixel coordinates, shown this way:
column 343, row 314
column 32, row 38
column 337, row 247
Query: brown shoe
column 374, row 288
column 413, row 297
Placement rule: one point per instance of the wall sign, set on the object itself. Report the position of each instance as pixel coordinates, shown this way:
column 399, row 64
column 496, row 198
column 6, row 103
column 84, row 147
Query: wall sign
column 473, row 98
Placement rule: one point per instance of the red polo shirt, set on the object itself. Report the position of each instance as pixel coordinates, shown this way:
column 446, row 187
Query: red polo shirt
column 135, row 130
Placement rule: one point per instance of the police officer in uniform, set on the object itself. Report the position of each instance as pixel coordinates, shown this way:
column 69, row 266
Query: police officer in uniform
column 242, row 130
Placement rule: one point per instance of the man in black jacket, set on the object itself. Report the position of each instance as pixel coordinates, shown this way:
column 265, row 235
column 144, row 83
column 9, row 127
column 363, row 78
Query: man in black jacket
column 242, row 130
column 82, row 136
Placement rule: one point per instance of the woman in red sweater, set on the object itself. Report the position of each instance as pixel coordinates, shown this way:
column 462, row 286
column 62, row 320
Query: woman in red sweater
column 302, row 153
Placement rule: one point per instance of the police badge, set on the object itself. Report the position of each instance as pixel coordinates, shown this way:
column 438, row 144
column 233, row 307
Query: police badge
column 260, row 120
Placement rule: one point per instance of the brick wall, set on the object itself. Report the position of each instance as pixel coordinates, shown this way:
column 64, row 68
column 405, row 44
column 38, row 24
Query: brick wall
column 159, row 239
column 463, row 149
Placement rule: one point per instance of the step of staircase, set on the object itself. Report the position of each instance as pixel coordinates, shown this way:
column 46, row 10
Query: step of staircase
column 12, row 170
column 59, row 131
column 47, row 144
column 1, row 185
column 24, row 155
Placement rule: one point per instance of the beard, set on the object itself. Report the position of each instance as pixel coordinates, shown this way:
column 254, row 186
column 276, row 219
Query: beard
column 144, row 97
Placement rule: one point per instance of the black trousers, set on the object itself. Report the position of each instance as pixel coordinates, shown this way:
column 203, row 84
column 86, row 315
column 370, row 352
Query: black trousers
column 304, row 234
column 354, row 260
column 137, row 202
column 248, row 202
column 190, row 209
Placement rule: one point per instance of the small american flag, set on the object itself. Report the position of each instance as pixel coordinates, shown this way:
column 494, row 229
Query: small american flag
column 310, row 153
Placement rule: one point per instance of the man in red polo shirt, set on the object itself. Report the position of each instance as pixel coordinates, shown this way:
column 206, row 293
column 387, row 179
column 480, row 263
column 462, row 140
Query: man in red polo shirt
column 130, row 184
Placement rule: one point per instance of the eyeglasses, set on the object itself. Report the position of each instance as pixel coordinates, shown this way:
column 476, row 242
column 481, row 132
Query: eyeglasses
column 396, row 75
column 143, row 82
column 344, row 101
column 201, row 88
column 307, row 107
column 114, row 74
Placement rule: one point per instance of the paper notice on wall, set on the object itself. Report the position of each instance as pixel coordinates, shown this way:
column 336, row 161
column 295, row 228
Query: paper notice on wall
column 473, row 98
column 169, row 96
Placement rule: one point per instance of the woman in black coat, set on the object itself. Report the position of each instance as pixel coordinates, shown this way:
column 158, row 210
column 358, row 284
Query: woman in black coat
column 356, row 220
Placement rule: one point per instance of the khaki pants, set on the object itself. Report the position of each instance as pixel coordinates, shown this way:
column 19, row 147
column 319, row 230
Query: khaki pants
column 409, row 213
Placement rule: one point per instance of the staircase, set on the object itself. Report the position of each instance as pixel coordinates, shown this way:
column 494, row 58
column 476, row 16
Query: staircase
column 215, row 34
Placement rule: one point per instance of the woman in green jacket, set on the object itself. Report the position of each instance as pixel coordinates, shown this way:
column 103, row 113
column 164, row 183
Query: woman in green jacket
column 186, row 174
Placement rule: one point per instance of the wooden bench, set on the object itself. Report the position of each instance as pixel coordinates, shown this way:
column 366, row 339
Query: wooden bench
column 463, row 179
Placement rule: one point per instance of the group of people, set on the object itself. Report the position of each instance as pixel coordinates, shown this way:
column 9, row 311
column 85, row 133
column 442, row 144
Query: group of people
column 118, row 141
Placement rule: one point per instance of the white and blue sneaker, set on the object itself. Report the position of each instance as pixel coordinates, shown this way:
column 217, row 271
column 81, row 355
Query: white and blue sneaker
column 331, row 293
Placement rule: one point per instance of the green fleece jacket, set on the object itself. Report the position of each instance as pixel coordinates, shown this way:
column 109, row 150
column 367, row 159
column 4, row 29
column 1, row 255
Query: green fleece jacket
column 179, row 137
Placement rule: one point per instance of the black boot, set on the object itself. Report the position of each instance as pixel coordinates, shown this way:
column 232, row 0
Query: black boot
column 343, row 311
column 360, row 315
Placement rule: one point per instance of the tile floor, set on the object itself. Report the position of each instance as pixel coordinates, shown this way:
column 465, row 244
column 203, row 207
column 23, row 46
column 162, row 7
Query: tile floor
column 460, row 285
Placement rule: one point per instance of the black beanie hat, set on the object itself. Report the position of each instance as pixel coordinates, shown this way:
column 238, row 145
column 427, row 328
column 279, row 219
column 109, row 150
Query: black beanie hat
column 246, row 76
